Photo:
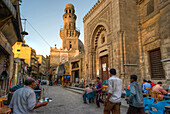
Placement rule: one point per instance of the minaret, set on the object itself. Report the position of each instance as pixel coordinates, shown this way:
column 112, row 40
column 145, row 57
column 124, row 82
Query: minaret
column 69, row 34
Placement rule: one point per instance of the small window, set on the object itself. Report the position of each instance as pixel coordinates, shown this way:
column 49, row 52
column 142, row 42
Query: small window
column 70, row 46
column 69, row 26
column 70, row 42
column 18, row 49
column 157, row 71
column 69, row 11
column 65, row 16
column 70, row 33
column 150, row 7
column 102, row 39
column 66, row 11
column 69, row 16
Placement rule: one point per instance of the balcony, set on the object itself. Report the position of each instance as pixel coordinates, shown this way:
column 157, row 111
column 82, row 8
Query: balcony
column 62, row 28
column 34, row 64
column 34, row 72
column 34, row 57
column 5, row 44
column 10, row 7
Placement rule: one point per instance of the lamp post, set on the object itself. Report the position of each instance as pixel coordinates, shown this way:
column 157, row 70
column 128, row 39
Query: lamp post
column 24, row 32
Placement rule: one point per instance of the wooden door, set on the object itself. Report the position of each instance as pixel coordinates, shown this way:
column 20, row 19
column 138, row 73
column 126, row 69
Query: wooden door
column 104, row 68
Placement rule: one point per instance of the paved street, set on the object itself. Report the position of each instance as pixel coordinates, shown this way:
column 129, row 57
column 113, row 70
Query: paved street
column 68, row 102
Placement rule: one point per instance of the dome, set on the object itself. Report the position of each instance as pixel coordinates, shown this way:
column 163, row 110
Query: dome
column 80, row 45
column 69, row 5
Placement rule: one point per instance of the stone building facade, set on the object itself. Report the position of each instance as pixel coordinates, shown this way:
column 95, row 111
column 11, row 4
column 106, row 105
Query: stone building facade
column 63, row 59
column 10, row 32
column 114, row 35
column 71, row 45
column 111, row 41
column 42, row 67
column 154, row 39
column 77, row 66
column 23, row 51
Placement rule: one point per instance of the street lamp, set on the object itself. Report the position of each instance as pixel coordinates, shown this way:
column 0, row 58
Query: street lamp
column 24, row 33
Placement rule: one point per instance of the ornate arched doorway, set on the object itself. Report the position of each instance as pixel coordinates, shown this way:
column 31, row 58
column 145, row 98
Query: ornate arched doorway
column 99, row 54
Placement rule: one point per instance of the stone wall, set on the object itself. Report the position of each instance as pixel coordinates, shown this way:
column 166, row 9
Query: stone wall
column 119, row 18
column 153, row 33
column 103, row 14
column 54, row 57
column 6, row 62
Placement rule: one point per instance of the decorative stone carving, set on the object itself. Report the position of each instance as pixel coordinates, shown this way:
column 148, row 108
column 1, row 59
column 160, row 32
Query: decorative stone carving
column 139, row 2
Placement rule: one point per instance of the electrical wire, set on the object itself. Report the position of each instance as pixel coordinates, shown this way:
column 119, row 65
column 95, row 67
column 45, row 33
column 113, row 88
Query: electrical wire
column 37, row 32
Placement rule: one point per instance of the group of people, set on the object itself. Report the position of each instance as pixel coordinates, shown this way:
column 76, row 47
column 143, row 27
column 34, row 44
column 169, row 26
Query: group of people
column 92, row 90
column 24, row 99
column 155, row 87
column 113, row 101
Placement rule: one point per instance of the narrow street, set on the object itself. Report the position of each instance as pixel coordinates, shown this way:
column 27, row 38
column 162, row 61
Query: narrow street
column 67, row 102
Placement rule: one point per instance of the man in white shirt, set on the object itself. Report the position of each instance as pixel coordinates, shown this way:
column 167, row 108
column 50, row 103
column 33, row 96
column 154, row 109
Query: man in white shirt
column 113, row 101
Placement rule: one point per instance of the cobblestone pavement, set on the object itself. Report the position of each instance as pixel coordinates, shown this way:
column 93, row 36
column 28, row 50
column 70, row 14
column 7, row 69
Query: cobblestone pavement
column 67, row 102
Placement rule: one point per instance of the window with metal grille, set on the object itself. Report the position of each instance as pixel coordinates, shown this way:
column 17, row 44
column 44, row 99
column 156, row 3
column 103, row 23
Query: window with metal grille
column 157, row 71
column 150, row 7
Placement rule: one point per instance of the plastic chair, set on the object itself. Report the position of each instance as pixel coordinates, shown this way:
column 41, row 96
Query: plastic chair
column 14, row 88
column 148, row 101
column 105, row 82
column 148, row 91
column 90, row 95
column 127, row 92
column 160, row 107
column 155, row 95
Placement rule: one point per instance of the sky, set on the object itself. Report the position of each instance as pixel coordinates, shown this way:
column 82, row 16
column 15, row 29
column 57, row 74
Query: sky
column 46, row 17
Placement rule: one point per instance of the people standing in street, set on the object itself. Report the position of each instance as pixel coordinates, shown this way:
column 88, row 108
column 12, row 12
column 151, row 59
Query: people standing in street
column 113, row 101
column 24, row 99
column 135, row 100
column 99, row 92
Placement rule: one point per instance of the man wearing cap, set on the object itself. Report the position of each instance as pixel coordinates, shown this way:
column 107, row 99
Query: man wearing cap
column 24, row 99
column 113, row 101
